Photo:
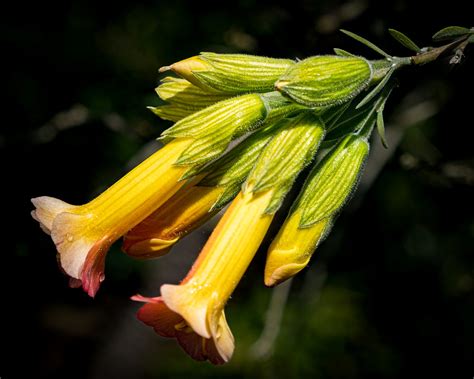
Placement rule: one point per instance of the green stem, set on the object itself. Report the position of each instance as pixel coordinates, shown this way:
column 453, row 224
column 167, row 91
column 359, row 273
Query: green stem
column 431, row 54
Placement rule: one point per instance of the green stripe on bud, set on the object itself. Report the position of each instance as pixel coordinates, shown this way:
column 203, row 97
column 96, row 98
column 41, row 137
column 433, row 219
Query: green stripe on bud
column 231, row 73
column 215, row 126
column 183, row 99
column 232, row 168
column 286, row 154
column 183, row 93
column 332, row 181
column 325, row 80
column 171, row 112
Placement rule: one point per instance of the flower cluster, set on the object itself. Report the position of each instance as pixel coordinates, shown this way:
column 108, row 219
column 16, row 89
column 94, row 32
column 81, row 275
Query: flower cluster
column 279, row 116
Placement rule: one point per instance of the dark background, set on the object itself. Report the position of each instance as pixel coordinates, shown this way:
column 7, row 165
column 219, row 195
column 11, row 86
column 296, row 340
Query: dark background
column 389, row 294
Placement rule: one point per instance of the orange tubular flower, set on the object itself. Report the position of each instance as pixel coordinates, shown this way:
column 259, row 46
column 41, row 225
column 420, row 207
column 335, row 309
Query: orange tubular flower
column 193, row 311
column 185, row 211
column 83, row 234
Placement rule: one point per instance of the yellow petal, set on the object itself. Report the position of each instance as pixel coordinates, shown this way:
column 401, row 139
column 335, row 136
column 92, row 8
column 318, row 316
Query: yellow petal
column 292, row 249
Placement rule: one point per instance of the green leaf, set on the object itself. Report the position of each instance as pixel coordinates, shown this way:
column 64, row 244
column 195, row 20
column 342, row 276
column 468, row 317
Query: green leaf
column 377, row 89
column 404, row 40
column 343, row 53
column 351, row 122
column 451, row 32
column 332, row 115
column 381, row 129
column 366, row 43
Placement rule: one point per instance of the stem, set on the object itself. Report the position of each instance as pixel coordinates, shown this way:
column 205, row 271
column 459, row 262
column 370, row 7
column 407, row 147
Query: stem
column 431, row 54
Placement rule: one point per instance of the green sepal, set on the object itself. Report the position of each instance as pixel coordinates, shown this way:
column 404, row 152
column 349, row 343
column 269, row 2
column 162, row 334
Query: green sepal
column 226, row 197
column 325, row 80
column 180, row 92
column 241, row 73
column 234, row 166
column 332, row 180
column 291, row 149
column 228, row 114
column 451, row 32
column 171, row 112
column 205, row 149
column 278, row 106
column 231, row 170
column 404, row 40
column 278, row 195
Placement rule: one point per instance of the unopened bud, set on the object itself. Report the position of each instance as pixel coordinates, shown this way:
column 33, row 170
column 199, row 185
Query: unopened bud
column 231, row 73
column 325, row 80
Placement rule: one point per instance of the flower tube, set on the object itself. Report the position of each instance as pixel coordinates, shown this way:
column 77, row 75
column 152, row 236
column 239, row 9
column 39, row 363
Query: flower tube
column 196, row 306
column 83, row 234
column 196, row 203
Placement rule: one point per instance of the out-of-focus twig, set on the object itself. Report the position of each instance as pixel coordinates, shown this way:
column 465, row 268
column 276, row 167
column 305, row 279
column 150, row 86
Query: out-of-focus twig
column 263, row 347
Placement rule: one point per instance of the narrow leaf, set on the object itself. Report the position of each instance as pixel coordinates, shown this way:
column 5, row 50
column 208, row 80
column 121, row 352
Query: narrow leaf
column 381, row 129
column 332, row 115
column 343, row 53
column 451, row 32
column 366, row 43
column 404, row 40
column 376, row 90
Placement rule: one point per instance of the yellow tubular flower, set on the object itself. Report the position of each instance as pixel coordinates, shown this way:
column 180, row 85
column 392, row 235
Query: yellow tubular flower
column 83, row 234
column 197, row 304
column 185, row 211
column 292, row 248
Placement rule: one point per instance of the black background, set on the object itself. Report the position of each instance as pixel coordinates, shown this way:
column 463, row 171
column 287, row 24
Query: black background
column 389, row 294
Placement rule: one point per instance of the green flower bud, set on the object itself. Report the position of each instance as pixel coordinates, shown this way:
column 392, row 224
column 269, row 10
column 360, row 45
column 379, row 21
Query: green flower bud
column 286, row 154
column 325, row 80
column 332, row 181
column 231, row 73
column 231, row 170
column 181, row 92
column 171, row 112
column 214, row 127
column 183, row 99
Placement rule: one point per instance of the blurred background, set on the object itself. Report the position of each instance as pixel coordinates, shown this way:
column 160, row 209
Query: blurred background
column 389, row 294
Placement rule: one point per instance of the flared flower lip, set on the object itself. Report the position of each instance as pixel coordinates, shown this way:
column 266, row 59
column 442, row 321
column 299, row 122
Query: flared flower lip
column 83, row 234
column 169, row 324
